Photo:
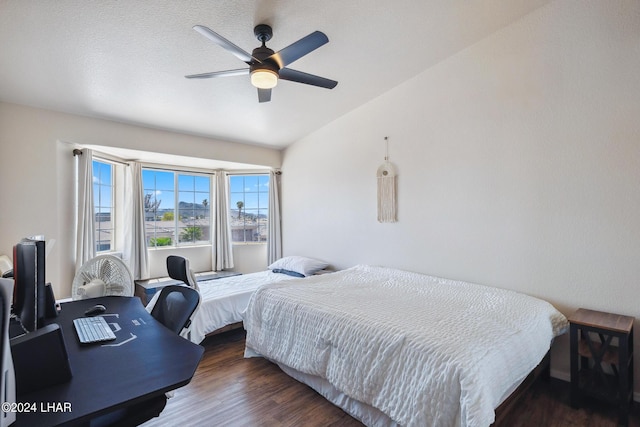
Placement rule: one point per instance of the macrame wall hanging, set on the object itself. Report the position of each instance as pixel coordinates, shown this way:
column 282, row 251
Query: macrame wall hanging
column 387, row 189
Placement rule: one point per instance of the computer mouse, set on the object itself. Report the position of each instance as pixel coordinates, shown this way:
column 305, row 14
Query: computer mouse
column 96, row 309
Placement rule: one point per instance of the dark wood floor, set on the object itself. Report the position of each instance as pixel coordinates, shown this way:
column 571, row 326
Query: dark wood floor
column 228, row 390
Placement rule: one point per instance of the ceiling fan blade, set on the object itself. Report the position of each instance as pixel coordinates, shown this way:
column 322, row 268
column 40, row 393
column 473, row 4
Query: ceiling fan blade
column 227, row 73
column 309, row 79
column 226, row 44
column 264, row 95
column 299, row 49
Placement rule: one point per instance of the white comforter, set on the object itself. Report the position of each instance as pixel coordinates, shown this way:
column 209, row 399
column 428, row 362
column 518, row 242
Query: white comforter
column 224, row 300
column 425, row 351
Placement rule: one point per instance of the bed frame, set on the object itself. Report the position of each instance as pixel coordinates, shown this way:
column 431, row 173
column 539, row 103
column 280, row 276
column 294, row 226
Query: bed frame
column 543, row 371
column 226, row 328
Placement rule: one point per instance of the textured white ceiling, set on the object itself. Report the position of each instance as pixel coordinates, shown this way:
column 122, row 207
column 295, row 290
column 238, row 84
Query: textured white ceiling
column 126, row 60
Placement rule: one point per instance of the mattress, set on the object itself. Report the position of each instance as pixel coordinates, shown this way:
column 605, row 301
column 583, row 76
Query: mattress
column 424, row 351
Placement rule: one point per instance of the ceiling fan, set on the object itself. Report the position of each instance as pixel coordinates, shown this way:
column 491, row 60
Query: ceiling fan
column 265, row 65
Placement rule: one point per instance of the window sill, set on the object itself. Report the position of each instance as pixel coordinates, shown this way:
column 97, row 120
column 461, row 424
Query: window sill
column 248, row 243
column 162, row 248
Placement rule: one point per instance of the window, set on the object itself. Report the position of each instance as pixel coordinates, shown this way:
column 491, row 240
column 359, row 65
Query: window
column 249, row 207
column 103, row 206
column 193, row 209
column 176, row 206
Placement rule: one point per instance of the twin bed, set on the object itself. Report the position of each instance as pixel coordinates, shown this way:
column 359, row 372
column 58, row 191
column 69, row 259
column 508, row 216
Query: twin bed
column 224, row 300
column 390, row 347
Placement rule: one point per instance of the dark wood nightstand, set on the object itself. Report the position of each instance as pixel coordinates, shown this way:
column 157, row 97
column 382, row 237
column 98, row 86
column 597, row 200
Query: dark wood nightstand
column 146, row 289
column 602, row 358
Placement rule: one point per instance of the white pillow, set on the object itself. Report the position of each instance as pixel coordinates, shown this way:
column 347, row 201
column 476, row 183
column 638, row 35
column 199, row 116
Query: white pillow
column 299, row 264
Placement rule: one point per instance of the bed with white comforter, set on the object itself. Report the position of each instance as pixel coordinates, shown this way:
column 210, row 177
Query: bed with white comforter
column 223, row 301
column 418, row 350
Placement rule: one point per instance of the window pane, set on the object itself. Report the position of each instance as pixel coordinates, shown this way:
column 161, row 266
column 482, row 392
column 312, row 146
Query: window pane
column 166, row 205
column 106, row 198
column 194, row 218
column 164, row 180
column 105, row 173
column 191, row 233
column 202, row 183
column 249, row 202
column 96, row 194
column 159, row 207
column 186, row 182
column 236, row 183
column 263, row 200
column 182, row 221
column 103, row 192
column 262, row 221
column 251, row 183
column 236, row 197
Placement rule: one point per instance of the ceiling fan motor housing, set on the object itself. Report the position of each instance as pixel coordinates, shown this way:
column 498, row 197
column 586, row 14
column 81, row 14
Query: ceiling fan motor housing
column 263, row 33
column 262, row 53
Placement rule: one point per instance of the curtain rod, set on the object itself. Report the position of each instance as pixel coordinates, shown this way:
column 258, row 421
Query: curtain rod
column 102, row 156
column 176, row 168
column 240, row 172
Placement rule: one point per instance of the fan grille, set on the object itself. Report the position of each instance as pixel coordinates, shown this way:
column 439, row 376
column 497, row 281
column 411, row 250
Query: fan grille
column 107, row 269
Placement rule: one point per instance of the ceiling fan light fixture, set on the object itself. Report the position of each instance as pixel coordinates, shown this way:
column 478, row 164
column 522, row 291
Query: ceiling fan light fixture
column 264, row 79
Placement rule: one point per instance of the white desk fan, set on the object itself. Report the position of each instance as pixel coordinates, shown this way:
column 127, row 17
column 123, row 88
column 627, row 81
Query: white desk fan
column 101, row 276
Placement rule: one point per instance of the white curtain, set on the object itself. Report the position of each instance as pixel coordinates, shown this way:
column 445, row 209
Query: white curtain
column 222, row 250
column 85, row 218
column 274, row 239
column 135, row 245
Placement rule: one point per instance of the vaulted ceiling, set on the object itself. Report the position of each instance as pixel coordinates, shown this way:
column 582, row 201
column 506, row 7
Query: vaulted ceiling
column 126, row 60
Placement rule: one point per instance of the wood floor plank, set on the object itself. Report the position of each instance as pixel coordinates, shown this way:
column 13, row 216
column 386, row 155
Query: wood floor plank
column 229, row 390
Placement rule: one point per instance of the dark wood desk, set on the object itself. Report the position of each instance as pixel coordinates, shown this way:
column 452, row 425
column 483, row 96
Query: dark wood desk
column 145, row 361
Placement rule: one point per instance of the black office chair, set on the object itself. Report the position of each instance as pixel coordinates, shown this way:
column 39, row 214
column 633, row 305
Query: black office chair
column 178, row 269
column 175, row 306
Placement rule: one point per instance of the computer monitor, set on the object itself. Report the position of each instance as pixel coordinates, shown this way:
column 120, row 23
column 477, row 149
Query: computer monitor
column 7, row 373
column 29, row 276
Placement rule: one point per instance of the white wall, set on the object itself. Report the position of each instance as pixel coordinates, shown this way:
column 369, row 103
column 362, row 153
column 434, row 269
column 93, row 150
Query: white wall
column 518, row 162
column 249, row 257
column 37, row 175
